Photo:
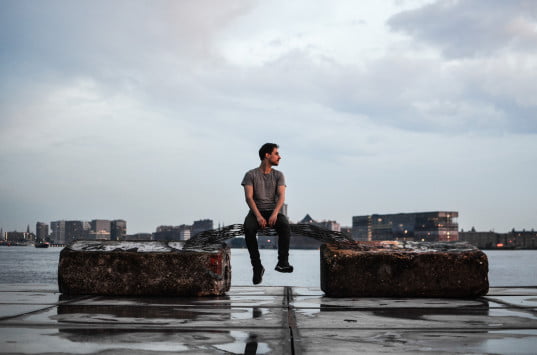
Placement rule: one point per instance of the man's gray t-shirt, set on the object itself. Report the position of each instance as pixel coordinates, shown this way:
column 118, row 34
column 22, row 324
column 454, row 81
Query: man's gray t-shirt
column 265, row 187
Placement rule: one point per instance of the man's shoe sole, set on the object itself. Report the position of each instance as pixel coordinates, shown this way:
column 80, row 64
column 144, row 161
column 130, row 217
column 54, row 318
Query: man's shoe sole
column 284, row 269
column 260, row 277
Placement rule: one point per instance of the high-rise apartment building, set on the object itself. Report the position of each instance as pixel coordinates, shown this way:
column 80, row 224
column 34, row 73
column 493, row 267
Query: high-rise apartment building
column 100, row 225
column 118, row 229
column 175, row 233
column 58, row 231
column 419, row 226
column 201, row 226
column 74, row 230
column 41, row 231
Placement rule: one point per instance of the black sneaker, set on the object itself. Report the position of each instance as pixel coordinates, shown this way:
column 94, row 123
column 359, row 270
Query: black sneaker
column 258, row 275
column 283, row 267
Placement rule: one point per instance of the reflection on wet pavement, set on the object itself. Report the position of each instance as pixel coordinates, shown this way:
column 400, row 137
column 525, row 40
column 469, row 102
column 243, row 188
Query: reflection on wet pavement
column 271, row 320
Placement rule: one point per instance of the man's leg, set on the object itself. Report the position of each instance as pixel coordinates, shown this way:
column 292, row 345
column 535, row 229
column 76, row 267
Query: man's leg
column 250, row 235
column 284, row 239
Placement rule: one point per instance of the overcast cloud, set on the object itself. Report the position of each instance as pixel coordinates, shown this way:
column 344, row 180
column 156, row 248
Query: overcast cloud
column 152, row 111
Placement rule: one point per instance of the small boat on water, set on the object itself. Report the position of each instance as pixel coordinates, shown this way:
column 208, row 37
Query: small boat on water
column 42, row 245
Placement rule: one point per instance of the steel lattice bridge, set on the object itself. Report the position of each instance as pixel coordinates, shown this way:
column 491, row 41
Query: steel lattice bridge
column 208, row 239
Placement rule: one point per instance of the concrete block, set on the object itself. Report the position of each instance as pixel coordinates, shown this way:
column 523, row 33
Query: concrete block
column 151, row 268
column 403, row 269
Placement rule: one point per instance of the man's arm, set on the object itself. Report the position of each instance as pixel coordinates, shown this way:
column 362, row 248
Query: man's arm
column 281, row 200
column 249, row 194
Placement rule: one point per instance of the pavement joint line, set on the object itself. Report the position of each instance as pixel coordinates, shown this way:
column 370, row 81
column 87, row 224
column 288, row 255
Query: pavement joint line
column 291, row 319
column 511, row 305
column 44, row 309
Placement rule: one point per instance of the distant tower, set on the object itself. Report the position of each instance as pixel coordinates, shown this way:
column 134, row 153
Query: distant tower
column 41, row 231
column 28, row 229
column 118, row 229
column 201, row 226
column 58, row 231
column 98, row 225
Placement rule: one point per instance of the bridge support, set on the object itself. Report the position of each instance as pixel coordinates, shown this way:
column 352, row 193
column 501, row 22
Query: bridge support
column 397, row 269
column 147, row 268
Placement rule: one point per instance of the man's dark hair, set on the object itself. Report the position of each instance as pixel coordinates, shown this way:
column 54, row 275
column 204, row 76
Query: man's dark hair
column 267, row 148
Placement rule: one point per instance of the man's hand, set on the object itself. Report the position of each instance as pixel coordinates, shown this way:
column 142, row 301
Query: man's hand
column 262, row 221
column 273, row 219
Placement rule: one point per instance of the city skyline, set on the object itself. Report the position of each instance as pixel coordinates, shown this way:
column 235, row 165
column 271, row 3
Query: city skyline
column 300, row 220
column 378, row 108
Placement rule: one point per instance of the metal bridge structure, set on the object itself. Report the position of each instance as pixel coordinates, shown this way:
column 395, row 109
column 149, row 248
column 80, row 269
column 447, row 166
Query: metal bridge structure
column 209, row 239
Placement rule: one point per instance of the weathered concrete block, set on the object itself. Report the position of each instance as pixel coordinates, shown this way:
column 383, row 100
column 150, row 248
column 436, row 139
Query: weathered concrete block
column 143, row 269
column 403, row 269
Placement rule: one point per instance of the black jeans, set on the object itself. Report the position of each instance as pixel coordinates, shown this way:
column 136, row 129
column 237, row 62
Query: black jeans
column 250, row 232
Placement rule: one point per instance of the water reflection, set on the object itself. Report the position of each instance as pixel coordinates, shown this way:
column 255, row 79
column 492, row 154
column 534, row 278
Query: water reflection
column 158, row 325
column 413, row 309
column 251, row 345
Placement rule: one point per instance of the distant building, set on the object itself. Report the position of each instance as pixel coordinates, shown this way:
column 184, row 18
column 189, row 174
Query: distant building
column 330, row 225
column 419, row 226
column 492, row 240
column 139, row 236
column 523, row 239
column 41, row 231
column 303, row 242
column 58, row 231
column 118, row 229
column 201, row 226
column 98, row 225
column 19, row 237
column 75, row 230
column 169, row 233
column 347, row 231
column 100, row 235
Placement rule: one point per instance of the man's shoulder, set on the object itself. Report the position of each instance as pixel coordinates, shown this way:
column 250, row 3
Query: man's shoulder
column 277, row 172
column 253, row 171
column 249, row 177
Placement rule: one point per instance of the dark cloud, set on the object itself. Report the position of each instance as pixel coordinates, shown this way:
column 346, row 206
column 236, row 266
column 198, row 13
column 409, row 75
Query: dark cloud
column 472, row 27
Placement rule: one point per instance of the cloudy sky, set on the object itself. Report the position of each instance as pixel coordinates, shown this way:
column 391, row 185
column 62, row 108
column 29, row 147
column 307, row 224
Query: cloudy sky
column 152, row 111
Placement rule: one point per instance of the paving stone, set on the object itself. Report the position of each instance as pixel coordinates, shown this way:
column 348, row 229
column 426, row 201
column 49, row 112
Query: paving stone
column 13, row 310
column 397, row 269
column 29, row 287
column 231, row 300
column 30, row 297
column 512, row 291
column 266, row 320
column 394, row 341
column 416, row 318
column 323, row 302
column 149, row 316
column 142, row 269
column 142, row 341
column 516, row 301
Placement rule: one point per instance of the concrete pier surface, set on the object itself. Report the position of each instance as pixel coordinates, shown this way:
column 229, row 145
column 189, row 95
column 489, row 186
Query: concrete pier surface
column 36, row 319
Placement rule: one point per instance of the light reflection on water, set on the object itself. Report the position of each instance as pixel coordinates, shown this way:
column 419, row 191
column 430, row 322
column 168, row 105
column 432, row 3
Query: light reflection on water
column 31, row 265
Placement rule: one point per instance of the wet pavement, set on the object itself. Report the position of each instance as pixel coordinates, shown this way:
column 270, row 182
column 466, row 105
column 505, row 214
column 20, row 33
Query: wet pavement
column 36, row 319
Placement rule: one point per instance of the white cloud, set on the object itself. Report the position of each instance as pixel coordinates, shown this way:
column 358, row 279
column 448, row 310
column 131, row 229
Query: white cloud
column 152, row 113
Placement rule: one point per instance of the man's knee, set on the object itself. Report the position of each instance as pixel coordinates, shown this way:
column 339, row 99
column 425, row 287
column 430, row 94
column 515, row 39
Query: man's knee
column 282, row 219
column 250, row 225
column 282, row 223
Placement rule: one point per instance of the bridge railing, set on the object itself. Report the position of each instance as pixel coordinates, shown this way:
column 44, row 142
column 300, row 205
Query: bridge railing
column 211, row 237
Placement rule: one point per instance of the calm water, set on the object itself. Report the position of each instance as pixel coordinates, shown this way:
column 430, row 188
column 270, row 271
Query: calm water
column 31, row 265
